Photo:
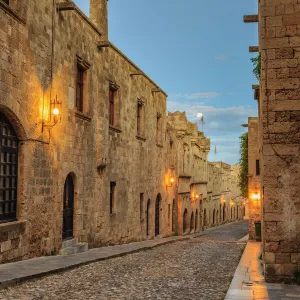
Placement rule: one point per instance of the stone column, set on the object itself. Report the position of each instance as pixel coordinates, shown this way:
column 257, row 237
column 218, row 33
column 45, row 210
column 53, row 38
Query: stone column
column 98, row 15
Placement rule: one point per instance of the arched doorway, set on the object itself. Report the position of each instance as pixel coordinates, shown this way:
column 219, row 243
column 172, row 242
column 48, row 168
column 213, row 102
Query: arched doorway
column 173, row 216
column 192, row 224
column 68, row 208
column 204, row 217
column 157, row 214
column 214, row 216
column 196, row 220
column 9, row 170
column 147, row 216
column 220, row 213
column 231, row 213
column 217, row 218
column 185, row 221
column 237, row 212
column 224, row 211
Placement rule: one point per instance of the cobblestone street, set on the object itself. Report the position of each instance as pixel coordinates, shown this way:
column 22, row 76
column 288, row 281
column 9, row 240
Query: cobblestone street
column 199, row 268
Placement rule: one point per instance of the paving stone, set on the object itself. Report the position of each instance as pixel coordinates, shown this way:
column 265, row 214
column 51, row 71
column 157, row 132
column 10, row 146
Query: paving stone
column 199, row 268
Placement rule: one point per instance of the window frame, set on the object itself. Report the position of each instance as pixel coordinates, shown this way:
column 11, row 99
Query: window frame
column 7, row 151
column 257, row 167
column 80, row 85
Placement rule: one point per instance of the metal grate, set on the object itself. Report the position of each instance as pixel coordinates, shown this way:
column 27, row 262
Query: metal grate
column 8, row 170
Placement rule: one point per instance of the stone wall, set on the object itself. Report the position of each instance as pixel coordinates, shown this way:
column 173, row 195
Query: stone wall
column 280, row 123
column 253, row 176
column 42, row 47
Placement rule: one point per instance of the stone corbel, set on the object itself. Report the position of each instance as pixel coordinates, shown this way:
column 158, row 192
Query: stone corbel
column 83, row 63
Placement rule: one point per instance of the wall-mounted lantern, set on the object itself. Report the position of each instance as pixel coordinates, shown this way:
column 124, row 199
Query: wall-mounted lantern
column 171, row 181
column 54, row 114
column 255, row 197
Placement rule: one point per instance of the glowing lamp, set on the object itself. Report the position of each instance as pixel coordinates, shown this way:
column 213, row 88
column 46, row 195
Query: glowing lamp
column 197, row 196
column 172, row 180
column 255, row 196
column 55, row 111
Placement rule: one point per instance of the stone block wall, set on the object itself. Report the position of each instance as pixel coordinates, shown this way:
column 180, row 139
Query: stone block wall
column 254, row 203
column 280, row 123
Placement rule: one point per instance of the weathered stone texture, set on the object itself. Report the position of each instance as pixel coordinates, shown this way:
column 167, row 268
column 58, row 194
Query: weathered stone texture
column 41, row 47
column 279, row 119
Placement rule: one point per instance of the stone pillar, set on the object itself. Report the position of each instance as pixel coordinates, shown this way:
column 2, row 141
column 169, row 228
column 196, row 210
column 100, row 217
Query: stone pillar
column 98, row 15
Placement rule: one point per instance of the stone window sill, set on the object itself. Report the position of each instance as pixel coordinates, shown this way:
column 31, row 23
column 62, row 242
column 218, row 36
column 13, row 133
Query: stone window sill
column 12, row 12
column 83, row 116
column 14, row 225
column 115, row 129
column 140, row 138
column 112, row 215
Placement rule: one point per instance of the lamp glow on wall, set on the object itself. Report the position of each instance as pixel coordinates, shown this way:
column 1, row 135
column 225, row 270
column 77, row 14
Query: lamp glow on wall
column 171, row 181
column 54, row 115
column 255, row 196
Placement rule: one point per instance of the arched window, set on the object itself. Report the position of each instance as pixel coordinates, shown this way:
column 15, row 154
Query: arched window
column 8, row 170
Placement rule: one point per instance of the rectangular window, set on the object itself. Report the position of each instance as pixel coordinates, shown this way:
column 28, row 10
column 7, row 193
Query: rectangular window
column 257, row 168
column 80, row 88
column 141, row 205
column 112, row 106
column 158, row 129
column 112, row 196
column 139, row 119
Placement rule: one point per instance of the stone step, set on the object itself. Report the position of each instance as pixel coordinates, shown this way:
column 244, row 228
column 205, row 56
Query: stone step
column 78, row 248
column 69, row 243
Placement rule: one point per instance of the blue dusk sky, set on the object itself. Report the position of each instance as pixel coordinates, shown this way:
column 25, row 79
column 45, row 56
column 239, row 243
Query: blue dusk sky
column 197, row 52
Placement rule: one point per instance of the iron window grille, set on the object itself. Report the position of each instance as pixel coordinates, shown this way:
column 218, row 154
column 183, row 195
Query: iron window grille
column 8, row 170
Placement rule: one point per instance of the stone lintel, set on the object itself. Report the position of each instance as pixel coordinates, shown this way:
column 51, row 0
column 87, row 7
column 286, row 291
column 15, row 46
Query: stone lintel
column 250, row 18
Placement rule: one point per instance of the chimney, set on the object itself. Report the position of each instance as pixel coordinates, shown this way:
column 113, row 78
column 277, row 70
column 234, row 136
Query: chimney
column 98, row 15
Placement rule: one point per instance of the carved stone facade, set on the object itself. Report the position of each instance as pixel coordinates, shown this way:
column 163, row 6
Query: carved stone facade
column 279, row 124
column 87, row 150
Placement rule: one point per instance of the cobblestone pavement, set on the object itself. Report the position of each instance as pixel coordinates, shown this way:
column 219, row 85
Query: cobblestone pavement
column 199, row 268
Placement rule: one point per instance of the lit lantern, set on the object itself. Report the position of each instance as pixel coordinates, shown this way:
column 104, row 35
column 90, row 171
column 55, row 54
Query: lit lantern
column 172, row 180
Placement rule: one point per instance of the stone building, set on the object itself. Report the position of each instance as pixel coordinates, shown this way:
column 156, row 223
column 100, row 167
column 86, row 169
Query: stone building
column 87, row 152
column 207, row 194
column 279, row 121
column 253, row 175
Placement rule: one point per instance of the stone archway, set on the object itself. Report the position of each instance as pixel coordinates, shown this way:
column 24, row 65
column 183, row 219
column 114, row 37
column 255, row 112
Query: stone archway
column 173, row 216
column 157, row 214
column 185, row 221
column 196, row 220
column 214, row 217
column 192, row 223
column 224, row 212
column 68, row 207
column 204, row 218
column 147, row 217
